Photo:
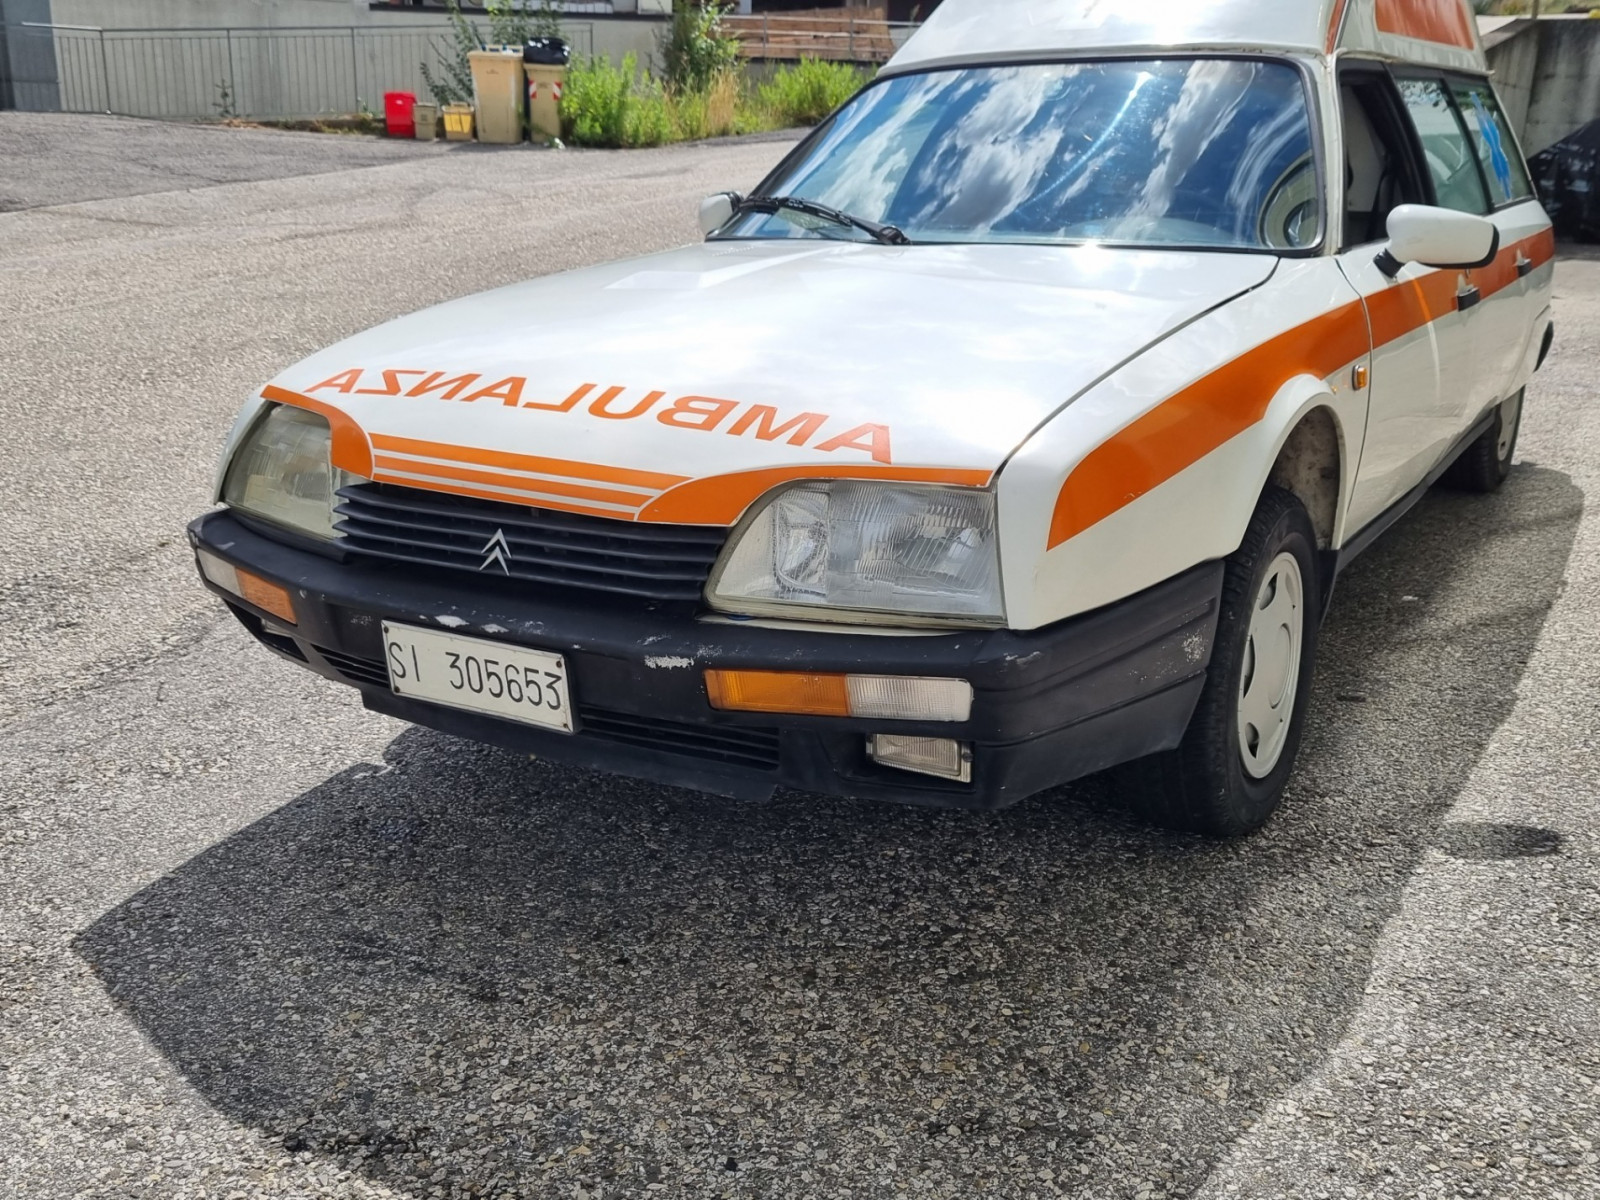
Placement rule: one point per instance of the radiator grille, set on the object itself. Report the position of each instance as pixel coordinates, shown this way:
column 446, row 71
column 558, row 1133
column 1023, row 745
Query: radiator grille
column 537, row 546
column 368, row 671
column 734, row 744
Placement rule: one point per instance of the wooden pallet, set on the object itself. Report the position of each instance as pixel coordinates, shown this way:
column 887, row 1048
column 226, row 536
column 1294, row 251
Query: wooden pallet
column 840, row 36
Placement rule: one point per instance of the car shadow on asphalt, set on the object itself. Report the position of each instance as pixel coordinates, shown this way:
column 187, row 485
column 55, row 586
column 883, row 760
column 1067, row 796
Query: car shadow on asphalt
column 464, row 972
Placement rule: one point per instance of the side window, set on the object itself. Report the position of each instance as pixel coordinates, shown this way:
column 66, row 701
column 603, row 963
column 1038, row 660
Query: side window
column 1451, row 163
column 1491, row 138
column 1380, row 167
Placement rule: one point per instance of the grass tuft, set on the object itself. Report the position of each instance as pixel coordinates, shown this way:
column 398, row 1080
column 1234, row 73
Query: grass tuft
column 807, row 93
column 612, row 106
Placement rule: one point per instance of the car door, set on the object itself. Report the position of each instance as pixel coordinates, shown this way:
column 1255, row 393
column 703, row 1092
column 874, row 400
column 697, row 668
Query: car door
column 1507, row 293
column 1418, row 335
column 1471, row 366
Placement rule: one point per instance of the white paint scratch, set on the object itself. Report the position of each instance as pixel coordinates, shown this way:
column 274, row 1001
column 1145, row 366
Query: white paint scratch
column 668, row 662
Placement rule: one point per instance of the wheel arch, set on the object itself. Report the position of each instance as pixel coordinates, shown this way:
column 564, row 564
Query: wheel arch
column 1310, row 465
column 1317, row 429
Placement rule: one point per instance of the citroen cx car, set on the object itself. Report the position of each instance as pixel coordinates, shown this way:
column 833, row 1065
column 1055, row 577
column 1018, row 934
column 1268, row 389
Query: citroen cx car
column 1016, row 427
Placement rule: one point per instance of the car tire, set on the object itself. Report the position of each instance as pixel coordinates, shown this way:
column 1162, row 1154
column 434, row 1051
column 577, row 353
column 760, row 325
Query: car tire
column 1484, row 465
column 1216, row 783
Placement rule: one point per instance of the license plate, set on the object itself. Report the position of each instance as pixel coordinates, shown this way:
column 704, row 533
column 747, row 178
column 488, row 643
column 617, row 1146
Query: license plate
column 477, row 675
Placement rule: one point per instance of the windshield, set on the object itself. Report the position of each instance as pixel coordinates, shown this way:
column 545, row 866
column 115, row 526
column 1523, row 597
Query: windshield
column 1164, row 152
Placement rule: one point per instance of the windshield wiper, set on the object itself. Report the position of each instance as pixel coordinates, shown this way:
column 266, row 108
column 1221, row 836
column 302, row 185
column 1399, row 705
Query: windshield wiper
column 887, row 234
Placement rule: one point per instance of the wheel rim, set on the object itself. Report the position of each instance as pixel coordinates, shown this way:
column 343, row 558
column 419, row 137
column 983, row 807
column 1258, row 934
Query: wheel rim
column 1271, row 676
column 1510, row 415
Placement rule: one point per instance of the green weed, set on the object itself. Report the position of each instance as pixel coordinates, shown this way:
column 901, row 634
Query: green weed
column 805, row 94
column 607, row 105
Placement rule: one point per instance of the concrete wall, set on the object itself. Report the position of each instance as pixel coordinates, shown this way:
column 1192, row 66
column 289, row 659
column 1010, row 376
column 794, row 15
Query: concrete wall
column 1566, row 87
column 1514, row 58
column 27, row 58
column 1548, row 74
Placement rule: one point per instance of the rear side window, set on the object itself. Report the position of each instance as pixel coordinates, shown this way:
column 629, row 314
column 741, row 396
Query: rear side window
column 1491, row 138
column 1457, row 182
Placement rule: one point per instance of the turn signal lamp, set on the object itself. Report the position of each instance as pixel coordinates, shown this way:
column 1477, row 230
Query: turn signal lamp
column 886, row 697
column 252, row 589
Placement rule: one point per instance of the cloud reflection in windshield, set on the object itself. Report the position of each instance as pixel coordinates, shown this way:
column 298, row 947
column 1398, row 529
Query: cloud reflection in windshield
column 1175, row 151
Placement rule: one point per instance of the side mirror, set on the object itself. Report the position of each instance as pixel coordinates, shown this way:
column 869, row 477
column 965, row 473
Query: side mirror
column 716, row 211
column 1438, row 237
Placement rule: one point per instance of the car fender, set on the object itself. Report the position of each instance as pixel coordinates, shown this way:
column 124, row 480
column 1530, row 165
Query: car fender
column 1180, row 443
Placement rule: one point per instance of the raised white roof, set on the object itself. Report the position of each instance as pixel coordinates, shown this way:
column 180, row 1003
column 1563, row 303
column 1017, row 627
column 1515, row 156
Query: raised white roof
column 1442, row 32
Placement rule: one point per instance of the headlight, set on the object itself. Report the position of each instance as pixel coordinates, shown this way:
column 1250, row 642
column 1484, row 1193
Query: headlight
column 281, row 472
column 831, row 549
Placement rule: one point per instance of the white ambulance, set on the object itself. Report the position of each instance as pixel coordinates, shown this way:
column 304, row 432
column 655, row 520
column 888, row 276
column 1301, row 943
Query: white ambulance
column 1016, row 427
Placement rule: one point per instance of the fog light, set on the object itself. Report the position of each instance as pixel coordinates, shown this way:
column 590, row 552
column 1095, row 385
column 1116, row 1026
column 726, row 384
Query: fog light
column 265, row 595
column 944, row 757
column 884, row 697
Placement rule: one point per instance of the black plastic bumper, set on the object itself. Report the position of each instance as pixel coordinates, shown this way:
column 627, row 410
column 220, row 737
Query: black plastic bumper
column 1049, row 706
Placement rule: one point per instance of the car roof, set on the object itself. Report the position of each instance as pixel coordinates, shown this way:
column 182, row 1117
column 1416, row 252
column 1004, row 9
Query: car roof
column 1442, row 33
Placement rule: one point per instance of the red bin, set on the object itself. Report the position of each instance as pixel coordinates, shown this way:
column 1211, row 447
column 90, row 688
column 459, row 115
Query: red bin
column 399, row 114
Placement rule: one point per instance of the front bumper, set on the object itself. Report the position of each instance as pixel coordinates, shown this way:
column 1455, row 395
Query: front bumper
column 1049, row 706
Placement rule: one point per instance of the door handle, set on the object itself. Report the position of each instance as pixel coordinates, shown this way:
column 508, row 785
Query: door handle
column 1468, row 297
column 1524, row 265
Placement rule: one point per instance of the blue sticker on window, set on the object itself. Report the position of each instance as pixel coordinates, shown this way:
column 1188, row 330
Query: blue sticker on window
column 1497, row 149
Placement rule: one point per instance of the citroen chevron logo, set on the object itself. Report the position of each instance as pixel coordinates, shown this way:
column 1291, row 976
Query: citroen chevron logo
column 496, row 551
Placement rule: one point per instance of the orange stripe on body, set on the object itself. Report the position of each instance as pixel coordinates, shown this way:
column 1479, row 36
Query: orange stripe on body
column 716, row 500
column 516, row 483
column 1447, row 22
column 462, row 489
column 723, row 499
column 348, row 449
column 1404, row 308
column 1182, row 430
column 1540, row 248
column 651, row 480
column 1336, row 24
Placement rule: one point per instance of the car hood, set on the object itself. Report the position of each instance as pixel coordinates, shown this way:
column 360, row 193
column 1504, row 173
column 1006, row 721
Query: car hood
column 680, row 386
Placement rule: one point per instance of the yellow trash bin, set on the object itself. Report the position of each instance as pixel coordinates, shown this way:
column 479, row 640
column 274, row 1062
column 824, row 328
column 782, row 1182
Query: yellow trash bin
column 427, row 119
column 497, row 85
column 545, row 81
column 458, row 122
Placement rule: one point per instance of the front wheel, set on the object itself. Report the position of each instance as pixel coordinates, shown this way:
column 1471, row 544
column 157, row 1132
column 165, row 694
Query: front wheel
column 1227, row 776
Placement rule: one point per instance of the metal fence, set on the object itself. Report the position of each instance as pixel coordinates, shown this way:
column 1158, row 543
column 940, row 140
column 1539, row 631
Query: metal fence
column 273, row 73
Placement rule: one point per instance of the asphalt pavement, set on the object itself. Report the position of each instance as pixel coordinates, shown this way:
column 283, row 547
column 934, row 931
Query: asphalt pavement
column 257, row 942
